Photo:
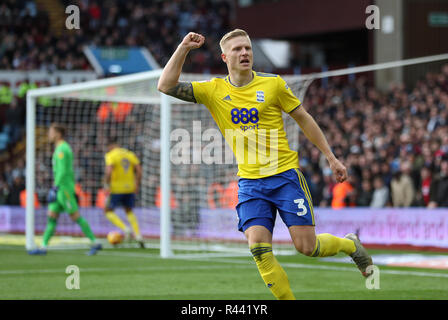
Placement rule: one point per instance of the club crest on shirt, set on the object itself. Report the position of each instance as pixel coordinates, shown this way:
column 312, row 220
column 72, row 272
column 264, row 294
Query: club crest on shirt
column 260, row 96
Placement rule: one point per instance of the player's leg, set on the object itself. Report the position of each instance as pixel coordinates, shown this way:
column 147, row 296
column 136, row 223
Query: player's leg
column 128, row 202
column 322, row 245
column 70, row 205
column 325, row 245
column 298, row 215
column 52, row 219
column 111, row 203
column 85, row 227
column 257, row 219
column 133, row 221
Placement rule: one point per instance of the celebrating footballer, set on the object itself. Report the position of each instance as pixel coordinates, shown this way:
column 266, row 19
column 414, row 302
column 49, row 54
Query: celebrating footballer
column 266, row 185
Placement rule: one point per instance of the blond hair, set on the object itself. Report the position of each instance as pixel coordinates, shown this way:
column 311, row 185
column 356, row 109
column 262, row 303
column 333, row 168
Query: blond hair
column 232, row 34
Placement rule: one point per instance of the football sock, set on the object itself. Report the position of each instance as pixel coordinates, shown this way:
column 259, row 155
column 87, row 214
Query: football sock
column 86, row 228
column 270, row 270
column 112, row 217
column 49, row 231
column 329, row 245
column 134, row 223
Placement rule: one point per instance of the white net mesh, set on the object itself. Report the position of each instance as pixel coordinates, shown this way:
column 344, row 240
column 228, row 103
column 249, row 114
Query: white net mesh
column 203, row 194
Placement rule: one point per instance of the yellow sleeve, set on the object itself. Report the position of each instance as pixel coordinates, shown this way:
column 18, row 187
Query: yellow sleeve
column 108, row 158
column 202, row 90
column 134, row 159
column 286, row 99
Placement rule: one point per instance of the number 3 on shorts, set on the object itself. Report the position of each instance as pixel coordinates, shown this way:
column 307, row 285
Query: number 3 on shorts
column 301, row 207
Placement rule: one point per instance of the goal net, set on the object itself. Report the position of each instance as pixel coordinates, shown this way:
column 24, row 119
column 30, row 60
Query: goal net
column 188, row 194
column 199, row 175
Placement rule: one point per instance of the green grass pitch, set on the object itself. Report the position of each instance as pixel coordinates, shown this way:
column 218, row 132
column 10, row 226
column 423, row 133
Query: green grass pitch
column 141, row 274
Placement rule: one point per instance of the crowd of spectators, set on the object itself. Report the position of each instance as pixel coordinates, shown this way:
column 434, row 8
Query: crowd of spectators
column 27, row 41
column 395, row 144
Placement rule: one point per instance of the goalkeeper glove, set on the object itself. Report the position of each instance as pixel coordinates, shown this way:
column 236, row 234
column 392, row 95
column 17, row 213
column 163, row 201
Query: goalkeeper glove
column 52, row 195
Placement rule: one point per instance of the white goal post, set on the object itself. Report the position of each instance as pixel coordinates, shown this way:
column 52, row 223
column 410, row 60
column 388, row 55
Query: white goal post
column 141, row 88
column 165, row 102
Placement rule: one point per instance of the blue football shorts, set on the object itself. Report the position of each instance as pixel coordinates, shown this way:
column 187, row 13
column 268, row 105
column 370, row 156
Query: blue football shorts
column 125, row 200
column 287, row 192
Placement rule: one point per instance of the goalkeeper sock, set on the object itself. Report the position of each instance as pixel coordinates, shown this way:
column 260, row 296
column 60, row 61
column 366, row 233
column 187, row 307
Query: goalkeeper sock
column 86, row 228
column 49, row 231
column 270, row 270
column 112, row 217
column 329, row 245
column 134, row 223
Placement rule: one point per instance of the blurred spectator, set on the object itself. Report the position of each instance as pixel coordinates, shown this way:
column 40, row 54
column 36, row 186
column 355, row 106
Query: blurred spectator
column 317, row 186
column 7, row 173
column 14, row 194
column 402, row 187
column 439, row 187
column 15, row 116
column 4, row 192
column 23, row 199
column 6, row 94
column 365, row 195
column 19, row 170
column 380, row 195
column 342, row 192
column 29, row 43
column 329, row 185
column 422, row 197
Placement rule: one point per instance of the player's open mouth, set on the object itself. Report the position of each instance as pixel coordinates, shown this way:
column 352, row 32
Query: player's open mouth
column 245, row 61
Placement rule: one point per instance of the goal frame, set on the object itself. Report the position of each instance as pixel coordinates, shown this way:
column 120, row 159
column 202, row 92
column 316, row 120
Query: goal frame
column 165, row 166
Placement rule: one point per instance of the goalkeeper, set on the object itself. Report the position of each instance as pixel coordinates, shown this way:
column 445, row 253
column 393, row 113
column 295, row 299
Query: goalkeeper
column 123, row 174
column 61, row 197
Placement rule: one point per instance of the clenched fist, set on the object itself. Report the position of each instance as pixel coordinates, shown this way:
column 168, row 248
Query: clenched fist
column 193, row 41
column 339, row 170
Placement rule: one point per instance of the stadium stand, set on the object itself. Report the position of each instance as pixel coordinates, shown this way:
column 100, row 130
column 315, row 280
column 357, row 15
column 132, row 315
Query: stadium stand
column 368, row 129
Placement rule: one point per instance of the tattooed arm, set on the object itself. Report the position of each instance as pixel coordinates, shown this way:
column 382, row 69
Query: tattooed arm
column 169, row 79
column 183, row 91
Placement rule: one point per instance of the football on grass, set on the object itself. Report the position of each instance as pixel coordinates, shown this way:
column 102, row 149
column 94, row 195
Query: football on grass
column 114, row 237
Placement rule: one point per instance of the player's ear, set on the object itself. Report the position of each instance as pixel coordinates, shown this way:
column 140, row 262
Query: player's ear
column 224, row 57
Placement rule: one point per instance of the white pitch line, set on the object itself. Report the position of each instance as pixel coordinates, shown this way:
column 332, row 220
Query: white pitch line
column 131, row 269
column 295, row 265
column 354, row 269
column 248, row 263
column 192, row 257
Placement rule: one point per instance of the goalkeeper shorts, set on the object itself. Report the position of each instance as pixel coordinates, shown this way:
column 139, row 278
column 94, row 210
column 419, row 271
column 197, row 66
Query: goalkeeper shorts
column 65, row 202
column 287, row 192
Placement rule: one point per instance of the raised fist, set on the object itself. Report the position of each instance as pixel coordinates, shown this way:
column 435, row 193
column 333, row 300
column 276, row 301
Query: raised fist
column 193, row 41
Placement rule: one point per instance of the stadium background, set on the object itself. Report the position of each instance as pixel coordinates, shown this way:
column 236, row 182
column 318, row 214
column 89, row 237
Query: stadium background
column 390, row 128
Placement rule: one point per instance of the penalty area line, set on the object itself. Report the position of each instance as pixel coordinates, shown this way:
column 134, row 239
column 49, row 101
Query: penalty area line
column 336, row 268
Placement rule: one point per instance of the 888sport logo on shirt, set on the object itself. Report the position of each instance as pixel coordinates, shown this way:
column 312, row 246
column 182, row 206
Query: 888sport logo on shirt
column 248, row 118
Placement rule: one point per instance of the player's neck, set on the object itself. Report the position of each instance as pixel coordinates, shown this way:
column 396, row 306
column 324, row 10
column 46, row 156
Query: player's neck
column 58, row 142
column 240, row 79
